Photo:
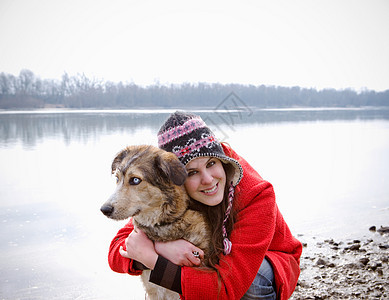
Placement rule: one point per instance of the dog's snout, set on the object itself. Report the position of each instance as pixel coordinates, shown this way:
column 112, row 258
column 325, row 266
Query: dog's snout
column 107, row 210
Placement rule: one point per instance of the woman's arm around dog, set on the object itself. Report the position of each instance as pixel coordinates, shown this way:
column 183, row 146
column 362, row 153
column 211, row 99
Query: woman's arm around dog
column 131, row 245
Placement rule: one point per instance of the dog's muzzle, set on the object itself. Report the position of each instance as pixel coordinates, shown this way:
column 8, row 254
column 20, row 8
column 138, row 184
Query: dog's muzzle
column 107, row 210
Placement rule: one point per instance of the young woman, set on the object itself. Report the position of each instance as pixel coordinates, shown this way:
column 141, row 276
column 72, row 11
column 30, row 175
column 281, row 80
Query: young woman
column 254, row 255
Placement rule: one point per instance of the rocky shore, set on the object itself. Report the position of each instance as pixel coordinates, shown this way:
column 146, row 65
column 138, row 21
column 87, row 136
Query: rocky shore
column 345, row 269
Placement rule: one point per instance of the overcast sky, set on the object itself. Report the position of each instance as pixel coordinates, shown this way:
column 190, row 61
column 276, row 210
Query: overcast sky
column 308, row 43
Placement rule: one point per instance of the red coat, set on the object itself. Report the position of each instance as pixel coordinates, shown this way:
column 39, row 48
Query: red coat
column 259, row 231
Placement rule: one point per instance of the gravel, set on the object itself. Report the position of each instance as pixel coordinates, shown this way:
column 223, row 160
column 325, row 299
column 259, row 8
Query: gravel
column 345, row 269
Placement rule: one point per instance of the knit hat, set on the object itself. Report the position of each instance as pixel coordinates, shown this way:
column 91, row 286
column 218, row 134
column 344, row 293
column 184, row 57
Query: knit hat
column 188, row 137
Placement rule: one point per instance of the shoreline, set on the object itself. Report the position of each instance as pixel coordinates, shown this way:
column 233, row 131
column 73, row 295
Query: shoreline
column 345, row 269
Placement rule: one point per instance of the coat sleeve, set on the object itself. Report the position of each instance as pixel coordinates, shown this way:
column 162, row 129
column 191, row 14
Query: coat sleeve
column 117, row 262
column 284, row 254
column 251, row 237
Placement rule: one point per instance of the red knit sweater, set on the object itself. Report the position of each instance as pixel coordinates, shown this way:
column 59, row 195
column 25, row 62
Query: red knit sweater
column 259, row 231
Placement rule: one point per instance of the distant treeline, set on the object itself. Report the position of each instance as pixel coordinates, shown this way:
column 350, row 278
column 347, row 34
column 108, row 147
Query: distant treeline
column 29, row 91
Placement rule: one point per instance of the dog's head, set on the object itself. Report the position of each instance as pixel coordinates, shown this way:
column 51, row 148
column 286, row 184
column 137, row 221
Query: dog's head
column 148, row 180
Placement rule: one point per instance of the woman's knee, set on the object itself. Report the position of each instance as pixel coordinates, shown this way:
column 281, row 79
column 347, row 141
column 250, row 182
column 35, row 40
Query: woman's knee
column 266, row 270
column 263, row 284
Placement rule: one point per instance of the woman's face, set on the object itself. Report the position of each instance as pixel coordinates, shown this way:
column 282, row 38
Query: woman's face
column 206, row 180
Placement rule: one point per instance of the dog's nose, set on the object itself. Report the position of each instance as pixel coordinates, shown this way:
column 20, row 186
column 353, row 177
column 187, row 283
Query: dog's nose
column 107, row 209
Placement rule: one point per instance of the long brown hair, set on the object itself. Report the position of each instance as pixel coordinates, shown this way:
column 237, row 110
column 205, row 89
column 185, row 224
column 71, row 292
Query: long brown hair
column 215, row 216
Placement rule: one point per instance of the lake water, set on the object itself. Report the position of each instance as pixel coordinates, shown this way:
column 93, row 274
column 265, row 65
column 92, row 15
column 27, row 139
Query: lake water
column 329, row 168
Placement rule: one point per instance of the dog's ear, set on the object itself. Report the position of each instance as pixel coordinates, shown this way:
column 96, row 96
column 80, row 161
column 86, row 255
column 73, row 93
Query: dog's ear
column 172, row 168
column 118, row 159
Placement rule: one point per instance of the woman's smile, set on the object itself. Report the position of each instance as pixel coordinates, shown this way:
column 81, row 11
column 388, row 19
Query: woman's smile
column 212, row 190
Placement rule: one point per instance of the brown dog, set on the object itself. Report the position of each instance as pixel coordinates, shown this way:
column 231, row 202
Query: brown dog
column 150, row 190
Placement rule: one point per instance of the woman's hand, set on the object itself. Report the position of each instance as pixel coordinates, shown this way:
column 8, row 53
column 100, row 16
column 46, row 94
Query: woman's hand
column 140, row 248
column 179, row 252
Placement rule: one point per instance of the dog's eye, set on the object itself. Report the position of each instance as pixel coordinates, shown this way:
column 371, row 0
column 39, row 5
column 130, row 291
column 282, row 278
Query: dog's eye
column 135, row 180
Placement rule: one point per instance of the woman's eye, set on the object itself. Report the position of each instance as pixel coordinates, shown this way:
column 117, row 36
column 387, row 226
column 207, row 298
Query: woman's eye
column 211, row 163
column 135, row 180
column 191, row 173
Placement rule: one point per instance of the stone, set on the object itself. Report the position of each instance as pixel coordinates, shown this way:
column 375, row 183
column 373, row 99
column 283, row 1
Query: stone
column 374, row 265
column 321, row 262
column 355, row 247
column 383, row 229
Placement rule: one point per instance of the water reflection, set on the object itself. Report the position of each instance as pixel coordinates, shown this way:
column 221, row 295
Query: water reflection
column 31, row 127
column 81, row 127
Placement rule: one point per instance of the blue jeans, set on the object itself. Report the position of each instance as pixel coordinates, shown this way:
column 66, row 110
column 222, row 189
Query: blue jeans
column 263, row 284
